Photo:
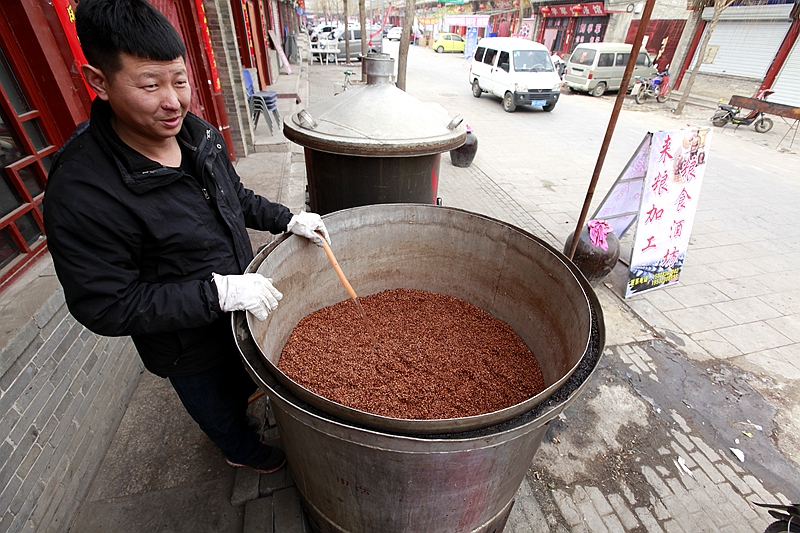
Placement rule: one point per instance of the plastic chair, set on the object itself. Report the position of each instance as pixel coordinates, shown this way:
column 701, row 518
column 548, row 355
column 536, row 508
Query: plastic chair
column 261, row 102
column 330, row 50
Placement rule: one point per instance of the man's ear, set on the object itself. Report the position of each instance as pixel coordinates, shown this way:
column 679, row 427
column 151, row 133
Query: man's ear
column 96, row 80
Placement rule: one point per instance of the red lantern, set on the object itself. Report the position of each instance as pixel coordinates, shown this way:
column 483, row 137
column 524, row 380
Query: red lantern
column 544, row 10
column 482, row 6
column 576, row 10
column 516, row 3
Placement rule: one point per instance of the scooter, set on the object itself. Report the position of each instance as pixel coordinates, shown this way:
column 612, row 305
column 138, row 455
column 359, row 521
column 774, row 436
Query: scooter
column 729, row 113
column 787, row 517
column 657, row 88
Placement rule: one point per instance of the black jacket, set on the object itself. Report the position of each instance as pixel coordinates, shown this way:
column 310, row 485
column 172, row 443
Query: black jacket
column 134, row 243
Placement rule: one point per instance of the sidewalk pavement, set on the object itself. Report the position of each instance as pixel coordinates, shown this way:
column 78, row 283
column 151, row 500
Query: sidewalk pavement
column 618, row 460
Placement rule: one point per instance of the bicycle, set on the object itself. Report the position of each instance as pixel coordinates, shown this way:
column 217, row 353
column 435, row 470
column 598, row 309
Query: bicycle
column 347, row 82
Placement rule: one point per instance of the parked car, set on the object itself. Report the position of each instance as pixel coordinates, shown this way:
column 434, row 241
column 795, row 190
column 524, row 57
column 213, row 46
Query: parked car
column 517, row 70
column 337, row 35
column 598, row 67
column 395, row 33
column 449, row 42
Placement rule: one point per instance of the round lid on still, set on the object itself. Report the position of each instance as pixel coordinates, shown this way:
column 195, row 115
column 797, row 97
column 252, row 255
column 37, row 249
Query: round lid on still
column 376, row 119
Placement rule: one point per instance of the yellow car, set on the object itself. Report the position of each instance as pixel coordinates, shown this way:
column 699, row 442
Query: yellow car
column 449, row 42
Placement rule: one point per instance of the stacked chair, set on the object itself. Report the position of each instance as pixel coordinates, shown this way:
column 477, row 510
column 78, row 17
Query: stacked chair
column 261, row 103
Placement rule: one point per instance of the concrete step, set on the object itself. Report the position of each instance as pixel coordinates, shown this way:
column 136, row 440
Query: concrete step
column 271, row 503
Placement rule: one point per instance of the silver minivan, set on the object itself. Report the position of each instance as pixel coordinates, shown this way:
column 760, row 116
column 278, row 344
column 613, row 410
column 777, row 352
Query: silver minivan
column 374, row 45
column 598, row 67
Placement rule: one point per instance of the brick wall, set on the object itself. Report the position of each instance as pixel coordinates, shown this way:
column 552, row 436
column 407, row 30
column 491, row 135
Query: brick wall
column 229, row 65
column 63, row 391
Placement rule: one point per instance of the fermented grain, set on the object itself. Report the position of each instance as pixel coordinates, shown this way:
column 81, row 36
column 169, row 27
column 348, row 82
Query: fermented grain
column 420, row 355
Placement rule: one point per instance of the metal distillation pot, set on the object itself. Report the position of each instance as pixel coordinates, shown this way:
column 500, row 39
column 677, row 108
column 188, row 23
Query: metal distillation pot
column 357, row 472
column 373, row 143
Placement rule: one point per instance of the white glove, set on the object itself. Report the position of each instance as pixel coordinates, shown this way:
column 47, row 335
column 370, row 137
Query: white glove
column 306, row 225
column 247, row 292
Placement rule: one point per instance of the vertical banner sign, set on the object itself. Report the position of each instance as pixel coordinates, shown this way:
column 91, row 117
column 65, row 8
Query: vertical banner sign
column 471, row 43
column 676, row 164
column 66, row 16
column 250, row 45
column 620, row 207
column 215, row 82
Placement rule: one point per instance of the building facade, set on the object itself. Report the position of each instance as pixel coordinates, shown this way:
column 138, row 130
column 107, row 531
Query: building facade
column 63, row 389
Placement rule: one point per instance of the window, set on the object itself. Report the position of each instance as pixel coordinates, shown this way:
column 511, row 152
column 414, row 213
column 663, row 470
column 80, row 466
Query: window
column 583, row 56
column 446, row 37
column 356, row 35
column 622, row 59
column 643, row 60
column 532, row 61
column 606, row 60
column 25, row 157
column 489, row 56
column 503, row 61
column 457, row 38
column 479, row 53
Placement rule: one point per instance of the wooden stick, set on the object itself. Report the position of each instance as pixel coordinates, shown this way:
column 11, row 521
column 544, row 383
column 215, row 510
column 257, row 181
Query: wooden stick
column 338, row 270
column 612, row 123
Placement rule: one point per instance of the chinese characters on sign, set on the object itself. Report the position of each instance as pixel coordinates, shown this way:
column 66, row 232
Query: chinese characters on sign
column 675, row 168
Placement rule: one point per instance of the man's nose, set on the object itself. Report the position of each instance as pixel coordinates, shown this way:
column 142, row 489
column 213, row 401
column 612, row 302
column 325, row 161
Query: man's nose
column 170, row 98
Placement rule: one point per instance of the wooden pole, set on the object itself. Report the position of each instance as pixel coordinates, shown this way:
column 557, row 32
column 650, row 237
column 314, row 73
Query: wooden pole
column 612, row 124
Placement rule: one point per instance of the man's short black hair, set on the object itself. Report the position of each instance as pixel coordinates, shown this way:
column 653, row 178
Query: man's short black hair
column 108, row 27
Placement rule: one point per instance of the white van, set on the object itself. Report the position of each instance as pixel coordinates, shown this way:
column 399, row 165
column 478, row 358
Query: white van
column 598, row 67
column 517, row 70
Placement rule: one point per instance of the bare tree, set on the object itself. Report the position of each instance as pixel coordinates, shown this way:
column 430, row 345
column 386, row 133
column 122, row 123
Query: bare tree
column 719, row 7
column 346, row 34
column 405, row 41
column 362, row 20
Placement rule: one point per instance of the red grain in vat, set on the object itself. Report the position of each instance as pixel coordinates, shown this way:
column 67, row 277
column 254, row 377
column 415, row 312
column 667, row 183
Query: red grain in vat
column 437, row 357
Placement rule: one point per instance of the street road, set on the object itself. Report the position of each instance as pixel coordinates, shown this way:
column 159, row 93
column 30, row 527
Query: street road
column 737, row 305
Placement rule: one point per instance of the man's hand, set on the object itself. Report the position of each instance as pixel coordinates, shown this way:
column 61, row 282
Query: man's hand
column 307, row 225
column 247, row 292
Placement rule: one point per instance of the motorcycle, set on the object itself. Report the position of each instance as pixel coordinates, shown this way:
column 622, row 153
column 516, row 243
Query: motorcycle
column 729, row 113
column 787, row 517
column 657, row 88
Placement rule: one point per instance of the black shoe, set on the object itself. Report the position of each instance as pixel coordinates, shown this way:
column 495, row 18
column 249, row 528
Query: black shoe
column 254, row 424
column 268, row 460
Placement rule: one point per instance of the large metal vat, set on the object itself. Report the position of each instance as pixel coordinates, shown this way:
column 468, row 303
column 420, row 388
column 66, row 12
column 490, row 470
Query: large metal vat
column 373, row 144
column 357, row 472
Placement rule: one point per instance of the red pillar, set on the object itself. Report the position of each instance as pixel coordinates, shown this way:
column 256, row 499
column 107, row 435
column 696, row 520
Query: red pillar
column 780, row 57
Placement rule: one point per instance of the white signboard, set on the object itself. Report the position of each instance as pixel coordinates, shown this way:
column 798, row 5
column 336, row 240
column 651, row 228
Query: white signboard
column 670, row 192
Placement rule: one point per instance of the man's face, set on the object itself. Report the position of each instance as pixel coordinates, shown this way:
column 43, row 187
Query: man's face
column 149, row 99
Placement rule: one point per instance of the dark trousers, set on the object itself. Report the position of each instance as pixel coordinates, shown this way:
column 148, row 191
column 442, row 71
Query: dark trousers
column 217, row 400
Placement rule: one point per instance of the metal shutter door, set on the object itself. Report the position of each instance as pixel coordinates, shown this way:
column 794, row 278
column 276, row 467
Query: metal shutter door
column 746, row 48
column 787, row 84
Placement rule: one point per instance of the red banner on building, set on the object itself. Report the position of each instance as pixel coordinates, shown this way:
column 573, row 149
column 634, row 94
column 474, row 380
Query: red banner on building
column 201, row 15
column 593, row 9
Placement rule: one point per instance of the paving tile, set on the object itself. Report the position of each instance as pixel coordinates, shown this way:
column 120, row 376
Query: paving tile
column 624, row 514
column 567, row 507
column 788, row 325
column 258, row 516
column 647, row 519
column 777, row 362
column 736, row 268
column 785, row 301
column 753, row 337
column 700, row 318
column 699, row 295
column 613, row 524
column 599, row 501
column 747, row 310
column 715, row 344
column 741, row 287
column 698, row 273
column 703, row 462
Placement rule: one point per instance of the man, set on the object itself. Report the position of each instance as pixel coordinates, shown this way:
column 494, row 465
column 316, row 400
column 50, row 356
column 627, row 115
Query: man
column 146, row 217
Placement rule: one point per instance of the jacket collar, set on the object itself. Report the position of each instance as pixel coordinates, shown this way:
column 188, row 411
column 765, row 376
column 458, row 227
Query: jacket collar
column 138, row 172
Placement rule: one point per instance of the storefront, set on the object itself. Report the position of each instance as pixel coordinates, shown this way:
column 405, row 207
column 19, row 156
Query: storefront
column 43, row 97
column 566, row 25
